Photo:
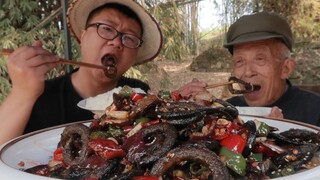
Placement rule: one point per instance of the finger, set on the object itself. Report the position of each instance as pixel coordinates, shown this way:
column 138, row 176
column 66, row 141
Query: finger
column 41, row 71
column 27, row 52
column 195, row 80
column 191, row 90
column 196, row 84
column 276, row 112
column 37, row 44
column 40, row 60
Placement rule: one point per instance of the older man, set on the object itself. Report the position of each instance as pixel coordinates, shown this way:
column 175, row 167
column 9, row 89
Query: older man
column 260, row 45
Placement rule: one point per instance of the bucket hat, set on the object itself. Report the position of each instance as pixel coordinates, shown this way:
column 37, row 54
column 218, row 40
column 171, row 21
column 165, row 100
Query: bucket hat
column 79, row 11
column 259, row 26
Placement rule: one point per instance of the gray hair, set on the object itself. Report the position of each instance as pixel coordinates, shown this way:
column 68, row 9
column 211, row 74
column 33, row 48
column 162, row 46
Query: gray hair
column 280, row 51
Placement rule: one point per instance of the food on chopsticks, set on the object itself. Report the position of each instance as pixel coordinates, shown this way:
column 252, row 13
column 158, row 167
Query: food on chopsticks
column 109, row 61
column 236, row 86
column 163, row 136
column 246, row 87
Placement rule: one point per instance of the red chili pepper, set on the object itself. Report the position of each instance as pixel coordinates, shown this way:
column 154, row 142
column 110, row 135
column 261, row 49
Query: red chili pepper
column 145, row 178
column 266, row 151
column 106, row 148
column 175, row 96
column 222, row 131
column 136, row 96
column 234, row 142
column 58, row 154
column 150, row 123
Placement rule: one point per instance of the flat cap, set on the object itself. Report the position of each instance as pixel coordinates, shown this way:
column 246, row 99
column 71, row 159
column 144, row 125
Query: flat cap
column 259, row 26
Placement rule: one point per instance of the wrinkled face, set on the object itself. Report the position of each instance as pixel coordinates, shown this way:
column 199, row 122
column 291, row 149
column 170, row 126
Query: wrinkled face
column 255, row 62
column 96, row 49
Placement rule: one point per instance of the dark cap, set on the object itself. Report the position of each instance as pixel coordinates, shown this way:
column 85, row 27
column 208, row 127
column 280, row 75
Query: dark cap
column 259, row 26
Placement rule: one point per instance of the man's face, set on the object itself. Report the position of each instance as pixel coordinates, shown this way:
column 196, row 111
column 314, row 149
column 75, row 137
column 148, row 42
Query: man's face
column 94, row 48
column 255, row 63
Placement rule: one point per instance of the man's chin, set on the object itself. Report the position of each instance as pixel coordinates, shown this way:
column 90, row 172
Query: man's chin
column 254, row 98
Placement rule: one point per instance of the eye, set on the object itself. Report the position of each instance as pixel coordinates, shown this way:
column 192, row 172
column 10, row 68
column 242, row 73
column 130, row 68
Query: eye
column 128, row 38
column 107, row 29
column 261, row 60
column 238, row 62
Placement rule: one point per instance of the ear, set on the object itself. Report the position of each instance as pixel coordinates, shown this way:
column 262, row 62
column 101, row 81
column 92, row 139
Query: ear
column 288, row 68
column 82, row 35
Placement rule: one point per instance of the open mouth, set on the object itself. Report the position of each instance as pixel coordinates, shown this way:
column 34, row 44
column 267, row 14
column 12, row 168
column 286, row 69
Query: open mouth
column 110, row 62
column 242, row 86
column 252, row 87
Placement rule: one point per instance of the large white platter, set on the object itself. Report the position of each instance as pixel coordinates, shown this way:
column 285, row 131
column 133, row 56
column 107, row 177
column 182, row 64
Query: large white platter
column 37, row 148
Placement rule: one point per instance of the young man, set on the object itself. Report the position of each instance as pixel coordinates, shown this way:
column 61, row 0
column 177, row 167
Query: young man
column 260, row 45
column 118, row 34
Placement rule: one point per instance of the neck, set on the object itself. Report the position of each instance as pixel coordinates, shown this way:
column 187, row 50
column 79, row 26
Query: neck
column 86, row 87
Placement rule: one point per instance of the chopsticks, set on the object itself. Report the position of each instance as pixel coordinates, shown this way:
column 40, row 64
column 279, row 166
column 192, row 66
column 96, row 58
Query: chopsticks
column 210, row 86
column 65, row 61
column 247, row 86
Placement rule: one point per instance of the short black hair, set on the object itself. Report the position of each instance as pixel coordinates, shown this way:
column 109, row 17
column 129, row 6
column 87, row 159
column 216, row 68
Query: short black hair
column 121, row 8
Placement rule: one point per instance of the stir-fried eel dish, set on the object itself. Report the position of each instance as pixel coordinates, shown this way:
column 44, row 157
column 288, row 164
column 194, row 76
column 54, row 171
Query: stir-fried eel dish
column 163, row 136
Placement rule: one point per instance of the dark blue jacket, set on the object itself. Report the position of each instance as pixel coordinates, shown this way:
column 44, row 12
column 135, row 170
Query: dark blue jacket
column 296, row 104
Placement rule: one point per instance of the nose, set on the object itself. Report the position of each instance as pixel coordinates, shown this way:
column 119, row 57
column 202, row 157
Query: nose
column 117, row 42
column 249, row 70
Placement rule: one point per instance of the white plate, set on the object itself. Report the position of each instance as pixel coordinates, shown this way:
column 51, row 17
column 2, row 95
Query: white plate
column 82, row 104
column 99, row 103
column 37, row 148
column 257, row 111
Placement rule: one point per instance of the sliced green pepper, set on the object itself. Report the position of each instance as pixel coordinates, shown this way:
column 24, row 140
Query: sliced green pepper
column 142, row 120
column 126, row 91
column 256, row 156
column 234, row 161
column 114, row 131
column 99, row 135
column 262, row 128
column 165, row 94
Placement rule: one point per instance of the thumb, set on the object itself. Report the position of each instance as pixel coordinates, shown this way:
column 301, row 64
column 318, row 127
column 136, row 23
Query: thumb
column 37, row 44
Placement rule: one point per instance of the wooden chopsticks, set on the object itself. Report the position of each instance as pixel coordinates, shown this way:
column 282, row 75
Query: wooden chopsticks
column 210, row 86
column 65, row 61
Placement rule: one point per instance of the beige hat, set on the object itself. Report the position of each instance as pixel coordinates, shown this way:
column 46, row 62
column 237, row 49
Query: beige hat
column 259, row 26
column 152, row 37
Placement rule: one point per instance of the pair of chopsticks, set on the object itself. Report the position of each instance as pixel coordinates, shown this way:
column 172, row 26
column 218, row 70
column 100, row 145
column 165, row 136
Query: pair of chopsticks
column 210, row 86
column 65, row 61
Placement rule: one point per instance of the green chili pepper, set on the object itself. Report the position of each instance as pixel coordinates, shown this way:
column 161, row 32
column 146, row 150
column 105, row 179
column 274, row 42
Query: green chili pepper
column 142, row 120
column 98, row 135
column 165, row 94
column 262, row 128
column 126, row 91
column 234, row 161
column 114, row 131
column 256, row 156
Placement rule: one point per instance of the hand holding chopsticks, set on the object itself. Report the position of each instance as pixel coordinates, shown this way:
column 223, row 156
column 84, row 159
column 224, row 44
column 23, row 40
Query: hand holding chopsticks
column 65, row 61
column 210, row 86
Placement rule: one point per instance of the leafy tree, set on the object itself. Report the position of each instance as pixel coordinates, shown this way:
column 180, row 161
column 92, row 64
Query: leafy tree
column 22, row 22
